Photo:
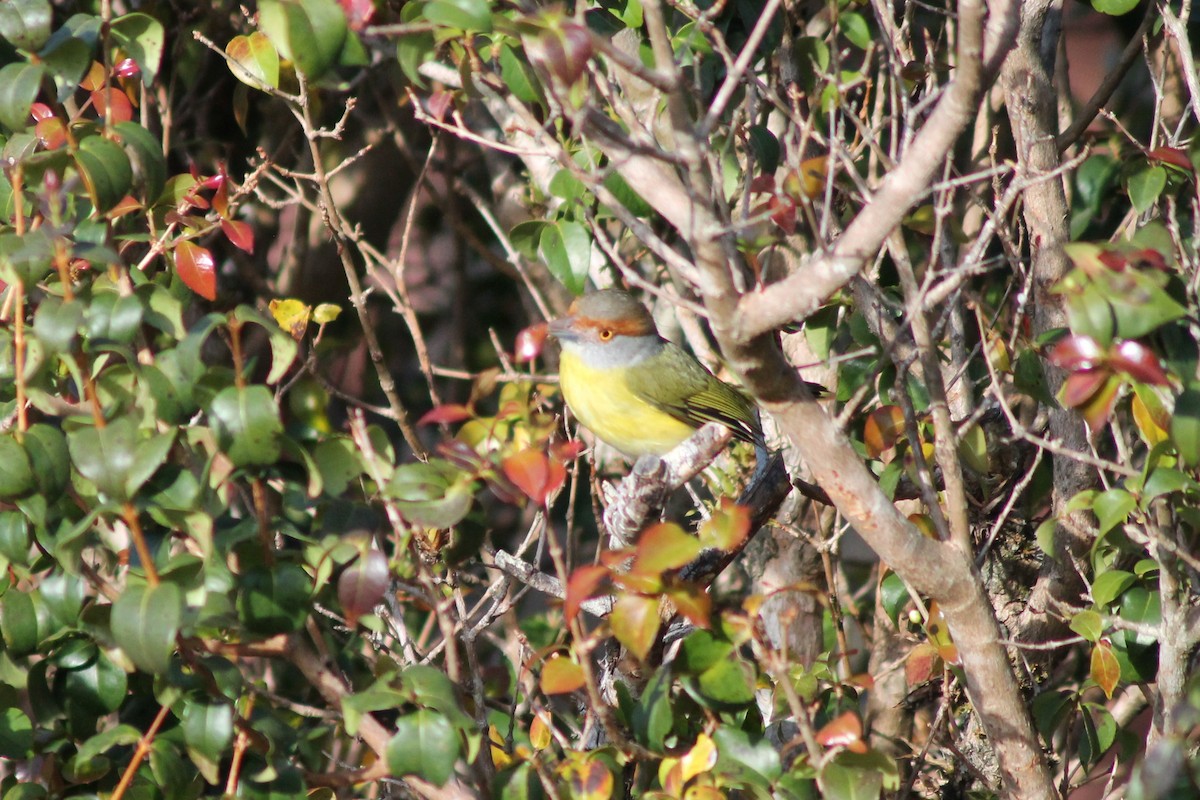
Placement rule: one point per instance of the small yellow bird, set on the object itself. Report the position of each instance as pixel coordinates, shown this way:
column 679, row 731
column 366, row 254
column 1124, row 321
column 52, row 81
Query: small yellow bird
column 634, row 389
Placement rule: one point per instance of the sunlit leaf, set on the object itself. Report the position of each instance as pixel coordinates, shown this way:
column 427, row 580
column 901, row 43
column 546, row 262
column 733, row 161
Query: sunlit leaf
column 1105, row 670
column 197, row 269
column 701, row 758
column 583, row 584
column 425, row 744
column 535, row 474
column 844, row 730
column 884, row 427
column 560, row 675
column 635, row 622
column 256, row 59
column 664, row 547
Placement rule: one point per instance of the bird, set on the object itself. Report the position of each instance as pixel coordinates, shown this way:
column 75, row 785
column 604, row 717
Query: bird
column 635, row 390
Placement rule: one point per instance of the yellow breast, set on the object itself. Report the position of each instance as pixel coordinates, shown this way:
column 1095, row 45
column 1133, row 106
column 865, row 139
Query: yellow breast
column 601, row 400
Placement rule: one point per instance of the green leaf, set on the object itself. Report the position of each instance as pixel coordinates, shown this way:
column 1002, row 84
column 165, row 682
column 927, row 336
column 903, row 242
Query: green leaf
column 840, row 782
column 1115, row 7
column 246, row 423
column 466, row 15
column 46, row 448
column 738, row 752
column 284, row 348
column 1143, row 607
column 566, row 247
column 146, row 157
column 1088, row 624
column 566, row 185
column 651, row 715
column 1112, row 508
column 18, row 622
column 56, row 324
column 25, row 23
column 257, row 60
column 19, row 85
column 729, row 682
column 766, row 149
column 274, row 599
column 854, row 27
column 700, row 651
column 426, row 745
column 68, row 53
column 14, row 531
column 119, row 736
column 105, row 169
column 208, row 732
column 626, row 196
column 141, row 37
column 339, row 463
column 16, row 474
column 1109, row 585
column 16, row 735
column 309, row 33
column 97, row 686
column 63, row 595
column 145, row 621
column 1185, row 425
column 526, row 235
column 435, row 494
column 518, row 76
column 115, row 458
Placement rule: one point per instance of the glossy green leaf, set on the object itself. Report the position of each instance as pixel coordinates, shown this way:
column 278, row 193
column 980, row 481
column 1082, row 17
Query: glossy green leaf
column 57, row 324
column 729, row 682
column 16, row 734
column 25, row 23
column 208, row 732
column 433, row 494
column 1112, row 508
column 566, row 186
column 141, row 37
column 274, row 599
column 97, row 686
column 105, row 169
column 246, row 422
column 626, row 196
column 63, row 595
column 18, row 622
column 700, row 651
column 145, row 620
column 839, row 782
column 518, row 76
column 146, row 157
column 1110, row 585
column 338, row 460
column 19, row 85
column 854, row 27
column 16, row 474
column 118, row 736
column 566, row 247
column 116, row 458
column 737, row 751
column 68, row 53
column 309, row 33
column 46, row 448
column 426, row 745
column 284, row 348
column 14, row 530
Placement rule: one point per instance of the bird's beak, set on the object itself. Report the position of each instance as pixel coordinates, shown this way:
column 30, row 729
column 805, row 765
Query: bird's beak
column 562, row 329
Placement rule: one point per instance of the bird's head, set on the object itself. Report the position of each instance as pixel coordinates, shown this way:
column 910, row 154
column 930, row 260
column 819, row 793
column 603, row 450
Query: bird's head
column 603, row 318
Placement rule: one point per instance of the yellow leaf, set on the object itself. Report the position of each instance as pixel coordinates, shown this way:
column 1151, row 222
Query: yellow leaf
column 701, row 758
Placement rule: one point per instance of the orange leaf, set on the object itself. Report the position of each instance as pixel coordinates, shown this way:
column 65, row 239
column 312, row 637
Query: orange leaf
column 535, row 474
column 693, row 602
column 196, row 269
column 635, row 623
column 845, row 731
column 445, row 414
column 583, row 585
column 561, row 675
column 1106, row 670
column 939, row 635
column 114, row 102
column 539, row 732
column 884, row 427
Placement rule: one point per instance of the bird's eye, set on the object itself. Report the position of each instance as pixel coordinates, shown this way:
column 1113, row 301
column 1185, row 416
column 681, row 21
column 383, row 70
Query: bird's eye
column 605, row 335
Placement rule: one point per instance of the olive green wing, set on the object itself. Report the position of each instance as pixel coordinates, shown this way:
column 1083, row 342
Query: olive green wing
column 676, row 383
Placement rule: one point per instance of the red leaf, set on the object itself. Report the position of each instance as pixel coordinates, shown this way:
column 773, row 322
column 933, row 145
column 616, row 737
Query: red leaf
column 1076, row 353
column 694, row 603
column 220, row 201
column 196, row 269
column 240, row 233
column 1149, row 257
column 127, row 68
column 439, row 103
column 535, row 474
column 844, row 730
column 920, row 664
column 584, row 584
column 530, row 341
column 1113, row 260
column 40, row 111
column 1098, row 408
column 1080, row 386
column 445, row 414
column 1138, row 362
column 763, row 184
column 1171, row 155
column 566, row 451
column 561, row 676
column 51, row 133
column 783, row 213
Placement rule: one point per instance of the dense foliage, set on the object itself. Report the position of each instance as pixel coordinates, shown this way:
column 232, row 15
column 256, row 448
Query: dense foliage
column 288, row 505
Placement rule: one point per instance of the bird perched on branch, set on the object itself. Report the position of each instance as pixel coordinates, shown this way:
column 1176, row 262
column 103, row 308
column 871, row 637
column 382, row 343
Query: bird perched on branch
column 634, row 389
